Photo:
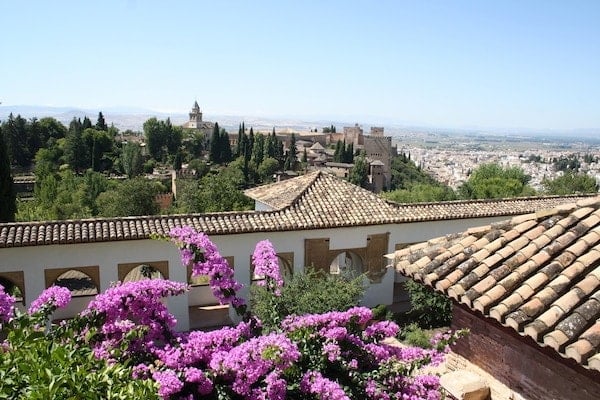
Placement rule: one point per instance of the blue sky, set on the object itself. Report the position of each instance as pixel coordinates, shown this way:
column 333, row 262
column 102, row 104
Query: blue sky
column 501, row 64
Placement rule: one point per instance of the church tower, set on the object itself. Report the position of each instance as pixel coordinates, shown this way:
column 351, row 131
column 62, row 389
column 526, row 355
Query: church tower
column 195, row 117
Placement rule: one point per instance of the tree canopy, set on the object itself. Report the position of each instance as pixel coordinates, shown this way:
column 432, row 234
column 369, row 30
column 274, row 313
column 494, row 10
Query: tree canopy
column 492, row 181
column 570, row 183
column 8, row 205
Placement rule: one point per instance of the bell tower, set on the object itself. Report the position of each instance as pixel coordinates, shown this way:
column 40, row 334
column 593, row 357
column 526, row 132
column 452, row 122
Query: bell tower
column 195, row 116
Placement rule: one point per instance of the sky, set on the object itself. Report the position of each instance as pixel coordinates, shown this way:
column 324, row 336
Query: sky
column 488, row 64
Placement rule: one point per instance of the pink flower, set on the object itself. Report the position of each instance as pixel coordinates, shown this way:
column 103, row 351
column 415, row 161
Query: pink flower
column 266, row 265
column 53, row 297
column 7, row 303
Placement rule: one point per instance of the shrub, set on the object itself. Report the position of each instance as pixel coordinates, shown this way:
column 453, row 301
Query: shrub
column 413, row 335
column 428, row 308
column 123, row 345
column 309, row 292
column 40, row 361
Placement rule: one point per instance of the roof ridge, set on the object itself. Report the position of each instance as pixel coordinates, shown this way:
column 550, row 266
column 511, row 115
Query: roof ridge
column 501, row 200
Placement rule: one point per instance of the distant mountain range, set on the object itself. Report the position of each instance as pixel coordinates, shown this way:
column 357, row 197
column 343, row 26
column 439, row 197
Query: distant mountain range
column 133, row 118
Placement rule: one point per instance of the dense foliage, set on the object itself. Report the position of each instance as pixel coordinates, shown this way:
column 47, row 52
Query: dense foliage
column 428, row 308
column 7, row 193
column 570, row 183
column 309, row 292
column 127, row 332
column 492, row 181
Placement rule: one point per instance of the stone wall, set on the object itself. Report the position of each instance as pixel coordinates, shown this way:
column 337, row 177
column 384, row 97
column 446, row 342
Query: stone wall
column 530, row 371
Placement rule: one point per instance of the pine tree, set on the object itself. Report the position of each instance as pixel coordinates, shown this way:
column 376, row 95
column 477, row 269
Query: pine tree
column 8, row 204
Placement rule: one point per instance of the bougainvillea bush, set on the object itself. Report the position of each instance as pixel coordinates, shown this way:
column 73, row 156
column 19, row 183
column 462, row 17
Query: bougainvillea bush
column 124, row 345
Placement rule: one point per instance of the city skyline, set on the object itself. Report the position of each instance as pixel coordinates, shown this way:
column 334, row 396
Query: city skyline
column 461, row 64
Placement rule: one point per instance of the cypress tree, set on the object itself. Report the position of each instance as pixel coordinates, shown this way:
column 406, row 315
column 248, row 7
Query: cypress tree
column 349, row 154
column 86, row 124
column 215, row 153
column 8, row 202
column 224, row 147
column 101, row 123
column 293, row 152
column 238, row 150
column 339, row 149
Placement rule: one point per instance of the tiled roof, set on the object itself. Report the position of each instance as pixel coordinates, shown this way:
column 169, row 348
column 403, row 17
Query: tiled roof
column 279, row 195
column 312, row 201
column 537, row 273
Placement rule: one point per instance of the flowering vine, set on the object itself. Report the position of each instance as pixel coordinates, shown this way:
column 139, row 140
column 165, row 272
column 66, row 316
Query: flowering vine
column 198, row 251
column 266, row 265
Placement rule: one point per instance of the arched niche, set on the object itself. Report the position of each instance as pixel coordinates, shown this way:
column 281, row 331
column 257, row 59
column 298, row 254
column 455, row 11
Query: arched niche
column 13, row 283
column 202, row 280
column 286, row 267
column 346, row 263
column 143, row 271
column 79, row 283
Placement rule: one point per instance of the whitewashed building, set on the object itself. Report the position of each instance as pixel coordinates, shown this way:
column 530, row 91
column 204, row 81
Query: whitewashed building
column 315, row 219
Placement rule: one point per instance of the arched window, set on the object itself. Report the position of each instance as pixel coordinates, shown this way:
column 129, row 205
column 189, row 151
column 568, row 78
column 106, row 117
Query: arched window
column 79, row 283
column 285, row 269
column 11, row 288
column 143, row 271
column 346, row 262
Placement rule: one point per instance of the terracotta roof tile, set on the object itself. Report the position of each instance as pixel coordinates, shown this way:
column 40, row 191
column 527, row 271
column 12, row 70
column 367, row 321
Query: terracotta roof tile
column 312, row 201
column 543, row 280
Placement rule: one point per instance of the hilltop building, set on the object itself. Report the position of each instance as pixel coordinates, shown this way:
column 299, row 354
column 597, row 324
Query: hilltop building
column 377, row 148
column 196, row 122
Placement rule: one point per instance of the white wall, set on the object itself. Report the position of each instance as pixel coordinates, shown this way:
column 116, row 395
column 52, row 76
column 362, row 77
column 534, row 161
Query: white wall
column 33, row 260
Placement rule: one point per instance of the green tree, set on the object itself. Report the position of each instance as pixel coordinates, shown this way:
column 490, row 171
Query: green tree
column 258, row 152
column 292, row 153
column 492, row 181
column 215, row 150
column 15, row 136
column 98, row 147
column 213, row 193
column 132, row 160
column 101, row 123
column 421, row 192
column 339, row 150
column 155, row 139
column 359, row 173
column 199, row 166
column 405, row 174
column 75, row 147
column 8, row 203
column 173, row 136
column 570, row 183
column 135, row 196
column 87, row 123
column 267, row 168
column 50, row 128
column 225, row 147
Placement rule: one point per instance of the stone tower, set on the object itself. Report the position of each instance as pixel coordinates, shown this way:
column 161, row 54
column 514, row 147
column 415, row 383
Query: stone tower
column 195, row 117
